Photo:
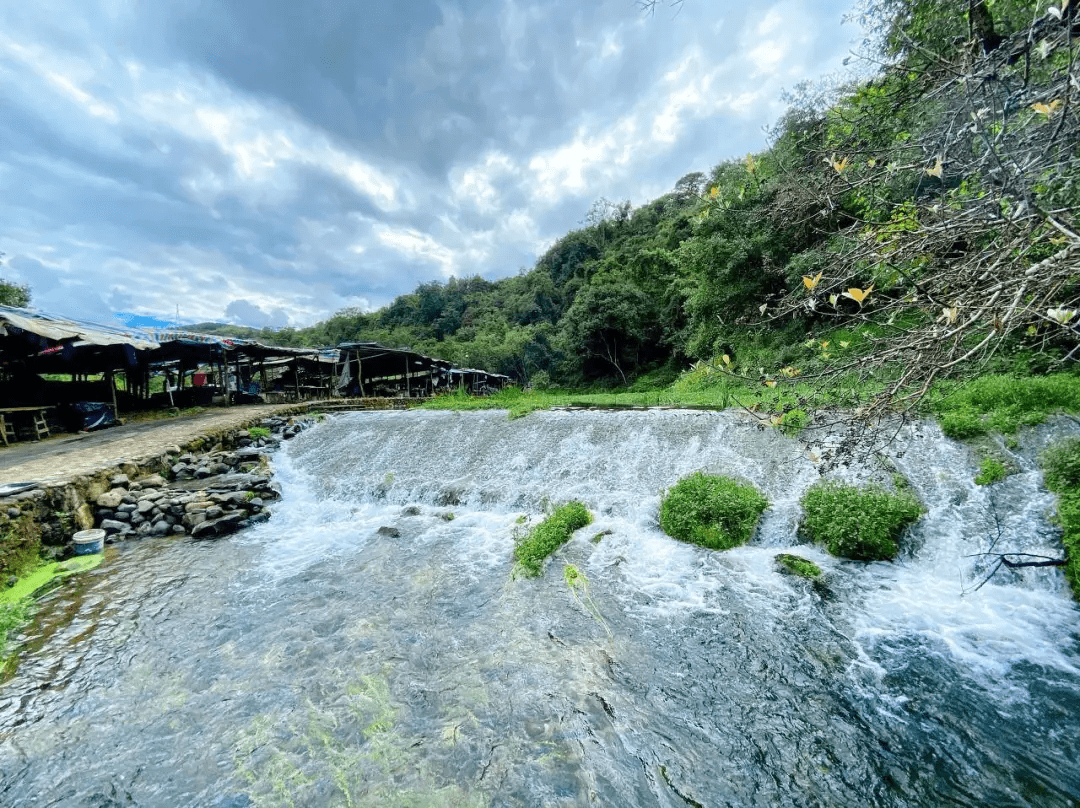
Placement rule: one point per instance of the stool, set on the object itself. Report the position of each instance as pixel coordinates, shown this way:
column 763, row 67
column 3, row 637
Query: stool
column 41, row 426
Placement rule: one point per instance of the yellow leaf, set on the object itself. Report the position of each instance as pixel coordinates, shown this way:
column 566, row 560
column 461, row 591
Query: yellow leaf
column 826, row 355
column 751, row 163
column 844, row 343
column 726, row 359
column 859, row 295
column 1047, row 109
column 770, row 383
column 809, row 282
column 937, row 170
column 790, row 372
column 824, row 344
column 714, row 191
column 839, row 165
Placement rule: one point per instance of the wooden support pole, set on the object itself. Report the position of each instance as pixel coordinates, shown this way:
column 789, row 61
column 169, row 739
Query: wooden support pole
column 360, row 375
column 296, row 377
column 408, row 391
column 111, row 378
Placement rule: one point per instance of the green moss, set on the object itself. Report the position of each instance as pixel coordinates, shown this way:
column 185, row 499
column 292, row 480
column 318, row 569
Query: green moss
column 1061, row 470
column 797, row 565
column 258, row 432
column 713, row 511
column 549, row 536
column 17, row 602
column 858, row 523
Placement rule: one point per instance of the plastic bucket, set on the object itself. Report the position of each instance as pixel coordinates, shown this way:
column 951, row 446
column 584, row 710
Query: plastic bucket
column 88, row 542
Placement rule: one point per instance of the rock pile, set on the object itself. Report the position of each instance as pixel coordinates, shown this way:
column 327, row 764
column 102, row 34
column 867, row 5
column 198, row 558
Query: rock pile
column 210, row 494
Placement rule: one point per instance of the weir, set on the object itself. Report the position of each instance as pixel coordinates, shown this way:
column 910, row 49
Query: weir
column 369, row 645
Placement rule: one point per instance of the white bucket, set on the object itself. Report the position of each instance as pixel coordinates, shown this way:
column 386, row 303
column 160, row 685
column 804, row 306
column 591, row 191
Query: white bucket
column 88, row 542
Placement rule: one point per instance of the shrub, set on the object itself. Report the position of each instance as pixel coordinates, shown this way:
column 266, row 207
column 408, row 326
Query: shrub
column 713, row 511
column 549, row 536
column 1061, row 471
column 259, row 432
column 859, row 523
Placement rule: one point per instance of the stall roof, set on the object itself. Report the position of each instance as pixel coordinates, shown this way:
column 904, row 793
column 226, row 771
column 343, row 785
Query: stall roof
column 13, row 321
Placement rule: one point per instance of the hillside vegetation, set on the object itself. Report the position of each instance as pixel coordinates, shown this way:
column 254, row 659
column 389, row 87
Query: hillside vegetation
column 917, row 225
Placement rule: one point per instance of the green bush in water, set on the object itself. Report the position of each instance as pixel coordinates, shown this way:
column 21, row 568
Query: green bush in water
column 1061, row 471
column 550, row 535
column 797, row 565
column 991, row 471
column 713, row 511
column 859, row 523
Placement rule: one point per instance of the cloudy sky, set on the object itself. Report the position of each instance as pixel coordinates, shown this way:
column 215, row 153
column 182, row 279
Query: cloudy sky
column 269, row 162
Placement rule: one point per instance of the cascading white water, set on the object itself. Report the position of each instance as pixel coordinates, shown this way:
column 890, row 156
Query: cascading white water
column 368, row 645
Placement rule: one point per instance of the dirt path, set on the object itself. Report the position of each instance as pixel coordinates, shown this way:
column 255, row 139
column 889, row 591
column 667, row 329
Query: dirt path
column 60, row 458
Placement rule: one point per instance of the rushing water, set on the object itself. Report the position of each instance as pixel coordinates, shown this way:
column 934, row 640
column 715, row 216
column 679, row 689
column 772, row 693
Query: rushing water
column 317, row 660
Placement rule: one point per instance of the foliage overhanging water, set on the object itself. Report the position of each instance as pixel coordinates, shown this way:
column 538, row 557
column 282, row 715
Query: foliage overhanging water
column 315, row 660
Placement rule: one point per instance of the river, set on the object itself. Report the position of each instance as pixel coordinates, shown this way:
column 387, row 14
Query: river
column 369, row 646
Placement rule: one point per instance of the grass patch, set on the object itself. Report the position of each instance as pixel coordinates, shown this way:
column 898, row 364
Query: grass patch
column 797, row 565
column 257, row 432
column 1061, row 472
column 859, row 523
column 991, row 471
column 1003, row 403
column 713, row 511
column 549, row 536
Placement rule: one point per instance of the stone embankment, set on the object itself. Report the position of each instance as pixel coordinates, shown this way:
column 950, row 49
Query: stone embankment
column 215, row 482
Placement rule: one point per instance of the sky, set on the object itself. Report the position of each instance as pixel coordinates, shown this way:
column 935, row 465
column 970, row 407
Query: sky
column 271, row 162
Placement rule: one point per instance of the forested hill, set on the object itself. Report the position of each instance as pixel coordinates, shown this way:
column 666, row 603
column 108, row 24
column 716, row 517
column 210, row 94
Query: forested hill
column 923, row 222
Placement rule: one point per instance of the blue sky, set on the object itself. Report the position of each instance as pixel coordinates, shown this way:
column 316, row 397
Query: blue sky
column 269, row 162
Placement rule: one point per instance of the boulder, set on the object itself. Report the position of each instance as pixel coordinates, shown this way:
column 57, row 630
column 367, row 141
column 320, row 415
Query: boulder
column 112, row 526
column 145, row 506
column 161, row 528
column 386, row 530
column 111, row 499
column 120, row 481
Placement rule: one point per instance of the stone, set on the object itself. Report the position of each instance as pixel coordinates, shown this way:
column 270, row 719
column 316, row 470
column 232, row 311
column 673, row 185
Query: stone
column 154, row 481
column 126, row 507
column 178, row 469
column 14, row 513
column 411, row 510
column 214, row 512
column 112, row 526
column 202, row 472
column 172, row 449
column 129, row 498
column 111, row 499
column 145, row 506
column 256, row 502
column 188, row 459
column 222, row 526
column 119, row 481
column 178, row 530
column 197, row 505
column 192, row 519
column 161, row 528
column 12, row 580
column 386, row 530
column 122, row 516
column 136, row 518
column 144, row 529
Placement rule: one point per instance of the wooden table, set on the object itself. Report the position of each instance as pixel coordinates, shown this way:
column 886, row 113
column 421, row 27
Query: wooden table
column 37, row 414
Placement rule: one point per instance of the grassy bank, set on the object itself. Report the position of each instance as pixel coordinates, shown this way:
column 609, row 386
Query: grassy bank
column 989, row 403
